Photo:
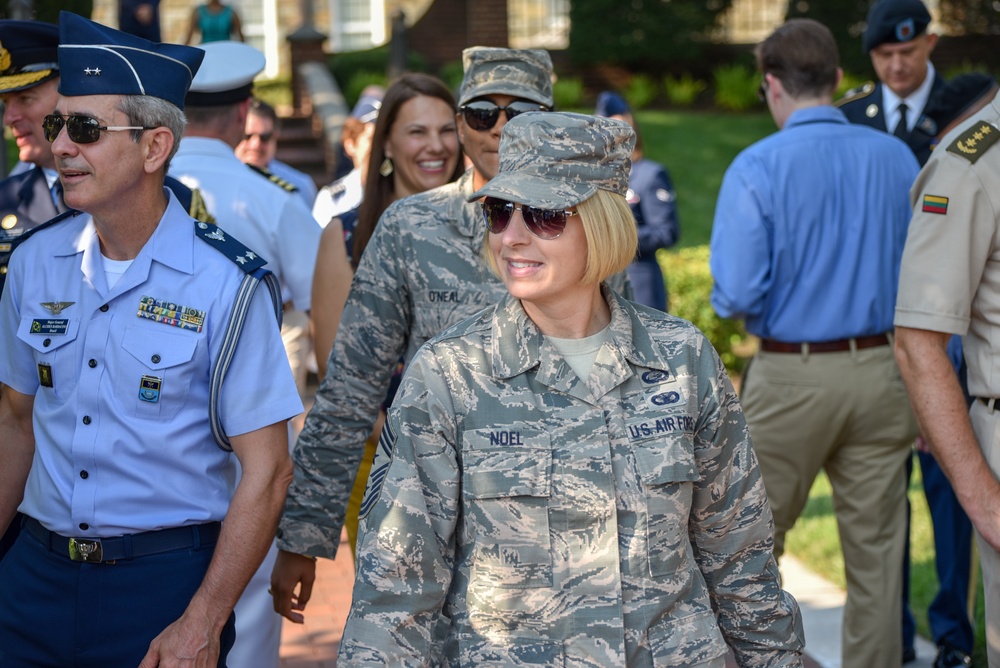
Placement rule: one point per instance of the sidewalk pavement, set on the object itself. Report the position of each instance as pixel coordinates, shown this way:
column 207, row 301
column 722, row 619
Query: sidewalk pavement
column 314, row 644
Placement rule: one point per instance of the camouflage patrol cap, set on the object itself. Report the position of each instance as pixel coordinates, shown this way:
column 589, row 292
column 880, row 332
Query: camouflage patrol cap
column 555, row 160
column 523, row 73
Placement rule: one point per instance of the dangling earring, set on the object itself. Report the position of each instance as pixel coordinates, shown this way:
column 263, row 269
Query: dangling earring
column 385, row 169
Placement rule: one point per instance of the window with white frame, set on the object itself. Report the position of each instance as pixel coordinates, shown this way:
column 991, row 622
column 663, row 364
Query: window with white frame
column 356, row 25
column 538, row 24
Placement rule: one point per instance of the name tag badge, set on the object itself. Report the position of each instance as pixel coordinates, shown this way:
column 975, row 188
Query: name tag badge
column 44, row 375
column 49, row 325
column 149, row 389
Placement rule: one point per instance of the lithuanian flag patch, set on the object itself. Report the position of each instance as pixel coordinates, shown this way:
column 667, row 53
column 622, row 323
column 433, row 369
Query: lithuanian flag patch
column 935, row 204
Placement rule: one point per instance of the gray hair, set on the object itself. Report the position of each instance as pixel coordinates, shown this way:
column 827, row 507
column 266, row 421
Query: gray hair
column 152, row 112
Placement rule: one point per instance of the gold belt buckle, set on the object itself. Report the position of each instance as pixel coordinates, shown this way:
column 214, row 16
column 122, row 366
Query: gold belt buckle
column 86, row 549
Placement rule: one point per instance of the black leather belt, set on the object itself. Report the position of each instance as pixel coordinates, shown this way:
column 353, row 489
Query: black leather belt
column 989, row 402
column 97, row 550
column 838, row 346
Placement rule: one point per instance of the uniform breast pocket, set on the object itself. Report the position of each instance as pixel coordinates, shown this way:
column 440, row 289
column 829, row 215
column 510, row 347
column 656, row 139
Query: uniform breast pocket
column 667, row 468
column 51, row 339
column 506, row 492
column 155, row 372
column 434, row 310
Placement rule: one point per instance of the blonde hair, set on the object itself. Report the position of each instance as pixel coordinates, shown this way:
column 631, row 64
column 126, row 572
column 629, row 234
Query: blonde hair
column 612, row 236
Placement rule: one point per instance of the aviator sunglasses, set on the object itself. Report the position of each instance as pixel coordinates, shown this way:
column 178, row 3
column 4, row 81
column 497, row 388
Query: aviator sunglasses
column 482, row 114
column 543, row 223
column 81, row 129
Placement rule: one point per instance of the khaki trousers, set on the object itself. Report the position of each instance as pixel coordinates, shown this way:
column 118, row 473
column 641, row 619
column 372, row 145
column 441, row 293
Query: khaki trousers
column 986, row 424
column 847, row 413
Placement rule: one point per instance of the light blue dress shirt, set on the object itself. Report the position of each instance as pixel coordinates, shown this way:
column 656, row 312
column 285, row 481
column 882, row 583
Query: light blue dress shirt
column 809, row 230
column 108, row 460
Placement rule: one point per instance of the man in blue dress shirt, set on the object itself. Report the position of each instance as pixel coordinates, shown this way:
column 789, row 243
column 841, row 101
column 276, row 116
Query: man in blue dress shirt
column 112, row 327
column 808, row 234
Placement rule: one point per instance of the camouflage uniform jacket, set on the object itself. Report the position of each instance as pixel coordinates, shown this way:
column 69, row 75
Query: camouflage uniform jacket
column 422, row 272
column 517, row 515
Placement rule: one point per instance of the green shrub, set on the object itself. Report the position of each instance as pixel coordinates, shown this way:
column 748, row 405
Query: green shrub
column 689, row 285
column 346, row 66
column 847, row 83
column 451, row 74
column 358, row 82
column 567, row 93
column 736, row 87
column 683, row 91
column 640, row 91
column 276, row 92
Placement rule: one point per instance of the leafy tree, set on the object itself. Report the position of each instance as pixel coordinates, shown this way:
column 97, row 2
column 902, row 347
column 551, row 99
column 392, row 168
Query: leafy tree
column 970, row 17
column 846, row 20
column 645, row 34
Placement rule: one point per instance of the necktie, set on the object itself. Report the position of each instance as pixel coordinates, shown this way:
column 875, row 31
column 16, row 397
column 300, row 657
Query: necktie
column 57, row 197
column 901, row 130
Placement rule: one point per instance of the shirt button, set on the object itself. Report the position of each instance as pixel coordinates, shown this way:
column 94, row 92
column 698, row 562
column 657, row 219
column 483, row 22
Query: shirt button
column 84, row 475
column 47, row 342
column 155, row 359
column 92, row 363
column 104, row 309
column 84, row 526
column 86, row 419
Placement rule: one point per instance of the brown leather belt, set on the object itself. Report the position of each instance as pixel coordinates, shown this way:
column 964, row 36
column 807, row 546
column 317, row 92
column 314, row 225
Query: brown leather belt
column 838, row 346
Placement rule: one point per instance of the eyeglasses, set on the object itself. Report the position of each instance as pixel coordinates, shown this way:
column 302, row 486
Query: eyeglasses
column 81, row 129
column 264, row 137
column 543, row 223
column 762, row 91
column 482, row 114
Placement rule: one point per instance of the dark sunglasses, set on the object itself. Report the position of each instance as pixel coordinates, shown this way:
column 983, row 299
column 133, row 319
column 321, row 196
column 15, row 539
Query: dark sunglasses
column 81, row 129
column 543, row 223
column 482, row 114
column 263, row 136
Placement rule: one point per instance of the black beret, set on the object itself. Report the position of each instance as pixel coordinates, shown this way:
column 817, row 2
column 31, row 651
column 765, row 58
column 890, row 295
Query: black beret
column 893, row 21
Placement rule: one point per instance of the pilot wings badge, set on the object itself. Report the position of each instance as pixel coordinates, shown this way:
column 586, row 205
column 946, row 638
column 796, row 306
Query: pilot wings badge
column 55, row 308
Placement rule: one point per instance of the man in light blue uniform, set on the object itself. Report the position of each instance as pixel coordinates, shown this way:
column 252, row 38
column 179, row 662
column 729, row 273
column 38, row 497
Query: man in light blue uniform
column 806, row 245
column 111, row 325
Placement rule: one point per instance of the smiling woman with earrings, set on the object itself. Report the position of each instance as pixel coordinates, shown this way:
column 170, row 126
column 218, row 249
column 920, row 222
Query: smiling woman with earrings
column 567, row 476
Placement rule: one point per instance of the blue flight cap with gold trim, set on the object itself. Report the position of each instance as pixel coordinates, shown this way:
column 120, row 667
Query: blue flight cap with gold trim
column 97, row 60
column 28, row 54
column 894, row 21
column 226, row 75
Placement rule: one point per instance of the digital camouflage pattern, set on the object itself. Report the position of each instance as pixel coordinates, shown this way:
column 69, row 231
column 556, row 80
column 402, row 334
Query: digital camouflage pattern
column 530, row 518
column 422, row 272
column 556, row 160
column 522, row 73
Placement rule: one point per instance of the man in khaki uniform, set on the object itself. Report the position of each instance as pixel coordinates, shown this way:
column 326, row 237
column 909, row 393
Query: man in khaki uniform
column 950, row 284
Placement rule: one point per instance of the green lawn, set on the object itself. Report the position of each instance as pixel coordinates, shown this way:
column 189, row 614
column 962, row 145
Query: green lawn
column 696, row 148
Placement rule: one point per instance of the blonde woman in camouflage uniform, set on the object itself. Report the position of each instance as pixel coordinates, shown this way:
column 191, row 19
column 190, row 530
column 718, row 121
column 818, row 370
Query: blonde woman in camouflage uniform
column 566, row 478
column 421, row 272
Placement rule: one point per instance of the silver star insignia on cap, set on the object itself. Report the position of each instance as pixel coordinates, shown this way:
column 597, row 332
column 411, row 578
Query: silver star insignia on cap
column 55, row 308
column 92, row 71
